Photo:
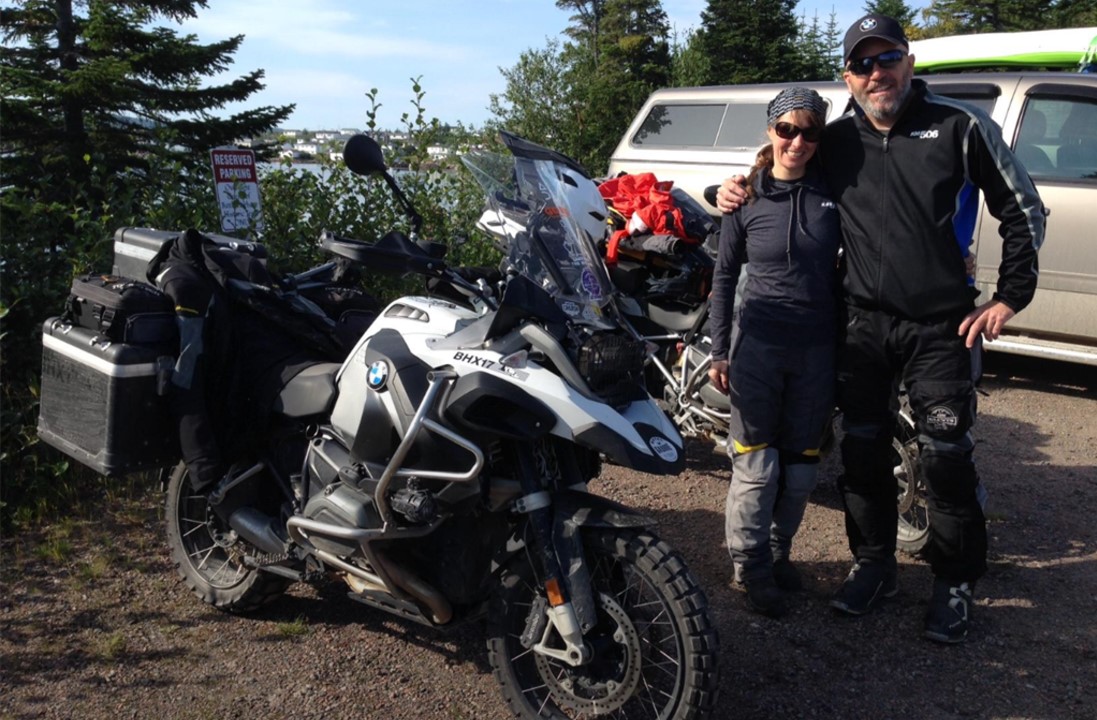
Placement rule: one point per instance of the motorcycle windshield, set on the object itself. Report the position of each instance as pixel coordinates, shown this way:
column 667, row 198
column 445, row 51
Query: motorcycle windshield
column 552, row 223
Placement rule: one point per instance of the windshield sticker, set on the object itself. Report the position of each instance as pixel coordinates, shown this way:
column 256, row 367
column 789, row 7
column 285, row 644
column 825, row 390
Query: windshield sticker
column 590, row 284
column 592, row 313
column 570, row 308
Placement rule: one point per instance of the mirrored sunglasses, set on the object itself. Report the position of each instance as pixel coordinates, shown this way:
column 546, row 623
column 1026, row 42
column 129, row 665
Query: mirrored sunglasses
column 886, row 61
column 788, row 131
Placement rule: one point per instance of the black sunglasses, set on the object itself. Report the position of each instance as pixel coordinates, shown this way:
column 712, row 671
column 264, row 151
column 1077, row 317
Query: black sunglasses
column 788, row 131
column 886, row 60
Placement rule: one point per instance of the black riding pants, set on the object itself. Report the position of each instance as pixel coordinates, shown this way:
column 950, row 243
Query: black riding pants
column 878, row 351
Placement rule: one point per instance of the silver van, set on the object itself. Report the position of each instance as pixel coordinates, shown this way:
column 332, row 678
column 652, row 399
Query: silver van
column 697, row 137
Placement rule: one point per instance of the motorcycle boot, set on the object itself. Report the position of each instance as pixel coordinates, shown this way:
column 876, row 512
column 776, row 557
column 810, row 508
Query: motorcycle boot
column 765, row 598
column 787, row 576
column 949, row 616
column 867, row 585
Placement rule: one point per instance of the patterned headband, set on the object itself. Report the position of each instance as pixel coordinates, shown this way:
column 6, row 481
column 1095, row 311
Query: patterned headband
column 795, row 98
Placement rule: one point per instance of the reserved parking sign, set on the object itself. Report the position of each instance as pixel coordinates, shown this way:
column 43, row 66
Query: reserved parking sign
column 237, row 185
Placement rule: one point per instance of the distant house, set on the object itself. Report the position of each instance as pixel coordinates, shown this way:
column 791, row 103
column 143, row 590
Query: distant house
column 438, row 152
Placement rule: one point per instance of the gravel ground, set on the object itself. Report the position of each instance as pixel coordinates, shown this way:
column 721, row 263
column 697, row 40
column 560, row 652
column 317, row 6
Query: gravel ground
column 94, row 624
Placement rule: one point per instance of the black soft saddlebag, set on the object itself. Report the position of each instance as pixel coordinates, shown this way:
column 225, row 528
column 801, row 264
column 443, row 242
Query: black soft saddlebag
column 102, row 402
column 121, row 309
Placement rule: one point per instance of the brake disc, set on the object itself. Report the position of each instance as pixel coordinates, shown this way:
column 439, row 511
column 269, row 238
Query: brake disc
column 604, row 685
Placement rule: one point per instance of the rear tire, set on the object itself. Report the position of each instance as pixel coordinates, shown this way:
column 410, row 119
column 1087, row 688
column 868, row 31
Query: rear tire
column 913, row 505
column 655, row 648
column 209, row 556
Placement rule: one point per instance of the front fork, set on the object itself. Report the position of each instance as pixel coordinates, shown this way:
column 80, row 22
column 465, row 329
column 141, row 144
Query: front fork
column 569, row 607
column 556, row 521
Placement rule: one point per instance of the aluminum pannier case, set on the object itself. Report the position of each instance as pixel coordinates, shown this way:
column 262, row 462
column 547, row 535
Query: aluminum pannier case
column 103, row 403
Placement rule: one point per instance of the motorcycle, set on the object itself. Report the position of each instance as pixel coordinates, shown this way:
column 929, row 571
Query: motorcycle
column 441, row 470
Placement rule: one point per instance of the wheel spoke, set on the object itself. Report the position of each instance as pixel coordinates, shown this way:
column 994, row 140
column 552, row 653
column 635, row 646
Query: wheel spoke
column 198, row 553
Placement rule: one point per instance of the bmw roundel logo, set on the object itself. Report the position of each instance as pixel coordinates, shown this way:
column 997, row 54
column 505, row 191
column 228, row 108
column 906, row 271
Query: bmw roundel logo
column 378, row 375
column 868, row 24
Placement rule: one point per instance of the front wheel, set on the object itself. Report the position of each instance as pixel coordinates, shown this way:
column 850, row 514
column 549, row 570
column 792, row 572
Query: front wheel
column 209, row 556
column 654, row 646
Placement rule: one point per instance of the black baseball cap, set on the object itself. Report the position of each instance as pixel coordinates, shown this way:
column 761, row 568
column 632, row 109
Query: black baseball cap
column 874, row 26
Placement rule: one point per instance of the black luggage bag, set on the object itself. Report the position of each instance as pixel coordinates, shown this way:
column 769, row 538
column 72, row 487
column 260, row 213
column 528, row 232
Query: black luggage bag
column 121, row 309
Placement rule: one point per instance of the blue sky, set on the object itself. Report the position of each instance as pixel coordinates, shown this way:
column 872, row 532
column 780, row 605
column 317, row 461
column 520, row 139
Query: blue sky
column 325, row 55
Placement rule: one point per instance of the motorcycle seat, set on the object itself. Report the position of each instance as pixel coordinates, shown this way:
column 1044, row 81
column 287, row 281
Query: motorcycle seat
column 309, row 392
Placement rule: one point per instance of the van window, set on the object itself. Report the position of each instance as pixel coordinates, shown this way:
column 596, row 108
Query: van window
column 981, row 95
column 733, row 126
column 678, row 125
column 744, row 126
column 1057, row 138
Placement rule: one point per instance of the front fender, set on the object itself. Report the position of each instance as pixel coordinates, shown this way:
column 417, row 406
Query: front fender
column 576, row 509
column 589, row 510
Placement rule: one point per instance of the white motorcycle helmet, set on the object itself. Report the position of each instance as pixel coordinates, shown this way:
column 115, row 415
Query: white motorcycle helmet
column 588, row 206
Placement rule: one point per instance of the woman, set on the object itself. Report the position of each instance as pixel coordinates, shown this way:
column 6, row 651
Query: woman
column 777, row 364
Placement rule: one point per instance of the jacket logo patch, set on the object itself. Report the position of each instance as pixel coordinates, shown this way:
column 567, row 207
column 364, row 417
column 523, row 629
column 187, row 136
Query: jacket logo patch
column 925, row 134
column 941, row 419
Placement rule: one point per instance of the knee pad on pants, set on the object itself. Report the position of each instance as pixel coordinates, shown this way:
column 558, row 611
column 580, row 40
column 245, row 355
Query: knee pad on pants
column 949, row 470
column 799, row 472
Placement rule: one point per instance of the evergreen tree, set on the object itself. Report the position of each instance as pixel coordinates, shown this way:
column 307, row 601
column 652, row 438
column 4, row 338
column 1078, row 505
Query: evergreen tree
column 750, row 41
column 632, row 60
column 954, row 17
column 586, row 24
column 689, row 65
column 897, row 9
column 820, row 48
column 104, row 87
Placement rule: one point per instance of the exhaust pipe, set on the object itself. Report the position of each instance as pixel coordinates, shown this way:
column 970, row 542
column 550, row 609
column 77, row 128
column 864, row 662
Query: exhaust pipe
column 257, row 528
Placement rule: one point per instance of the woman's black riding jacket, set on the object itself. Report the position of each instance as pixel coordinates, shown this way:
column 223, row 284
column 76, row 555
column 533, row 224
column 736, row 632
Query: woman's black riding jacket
column 909, row 200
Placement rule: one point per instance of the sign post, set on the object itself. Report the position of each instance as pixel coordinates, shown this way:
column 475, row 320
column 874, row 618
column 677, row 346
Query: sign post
column 237, row 184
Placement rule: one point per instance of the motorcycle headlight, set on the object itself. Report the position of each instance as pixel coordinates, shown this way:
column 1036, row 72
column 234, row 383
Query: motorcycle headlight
column 613, row 367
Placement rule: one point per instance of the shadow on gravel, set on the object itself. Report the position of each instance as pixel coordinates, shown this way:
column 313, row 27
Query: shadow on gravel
column 329, row 606
column 1048, row 376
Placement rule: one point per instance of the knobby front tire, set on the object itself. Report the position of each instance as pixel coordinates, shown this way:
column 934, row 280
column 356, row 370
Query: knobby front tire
column 655, row 648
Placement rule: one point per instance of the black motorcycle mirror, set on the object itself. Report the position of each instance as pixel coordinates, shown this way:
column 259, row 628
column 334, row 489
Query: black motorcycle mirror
column 710, row 194
column 363, row 156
